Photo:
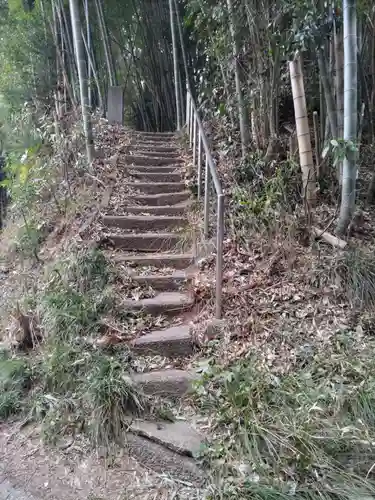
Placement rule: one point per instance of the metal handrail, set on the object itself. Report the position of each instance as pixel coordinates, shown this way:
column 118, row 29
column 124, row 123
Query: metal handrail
column 197, row 139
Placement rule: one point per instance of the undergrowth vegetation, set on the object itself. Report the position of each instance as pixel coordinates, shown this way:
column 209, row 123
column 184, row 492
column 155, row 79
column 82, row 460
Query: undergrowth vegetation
column 262, row 193
column 76, row 384
column 307, row 433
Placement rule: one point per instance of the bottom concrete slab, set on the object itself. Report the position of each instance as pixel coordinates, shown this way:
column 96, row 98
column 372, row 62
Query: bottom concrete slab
column 178, row 436
column 164, row 461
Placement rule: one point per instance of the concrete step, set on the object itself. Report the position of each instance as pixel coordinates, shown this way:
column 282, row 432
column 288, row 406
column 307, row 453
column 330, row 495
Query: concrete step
column 157, row 187
column 161, row 199
column 171, row 342
column 177, row 436
column 141, row 135
column 158, row 177
column 156, row 147
column 144, row 222
column 168, row 282
column 172, row 210
column 174, row 260
column 145, row 242
column 162, row 303
column 157, row 154
column 150, row 160
column 165, row 383
column 158, row 169
column 156, row 457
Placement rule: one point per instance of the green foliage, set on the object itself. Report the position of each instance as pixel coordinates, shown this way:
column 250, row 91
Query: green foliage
column 260, row 192
column 14, row 379
column 77, row 295
column 112, row 396
column 340, row 148
column 79, row 386
column 356, row 271
column 307, row 432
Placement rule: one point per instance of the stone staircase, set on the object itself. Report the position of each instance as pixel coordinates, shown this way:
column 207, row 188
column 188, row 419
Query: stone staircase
column 148, row 233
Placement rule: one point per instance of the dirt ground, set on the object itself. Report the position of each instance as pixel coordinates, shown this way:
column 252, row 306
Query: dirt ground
column 31, row 471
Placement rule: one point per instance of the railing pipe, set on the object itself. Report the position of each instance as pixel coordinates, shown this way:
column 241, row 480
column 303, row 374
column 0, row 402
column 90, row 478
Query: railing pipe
column 188, row 110
column 196, row 132
column 195, row 141
column 191, row 120
column 207, row 199
column 206, row 147
column 219, row 255
column 199, row 164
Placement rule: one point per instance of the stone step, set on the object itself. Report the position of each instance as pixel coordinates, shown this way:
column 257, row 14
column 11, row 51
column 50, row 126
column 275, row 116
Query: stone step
column 165, row 383
column 145, row 242
column 156, row 154
column 158, row 177
column 157, row 187
column 159, row 260
column 144, row 222
column 150, row 160
column 162, row 303
column 155, row 135
column 156, row 457
column 172, row 210
column 149, row 144
column 158, row 169
column 161, row 199
column 169, row 282
column 177, row 436
column 171, row 342
column 156, row 147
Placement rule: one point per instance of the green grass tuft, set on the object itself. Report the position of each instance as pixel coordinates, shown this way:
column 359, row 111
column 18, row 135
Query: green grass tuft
column 308, row 433
column 356, row 270
column 15, row 377
column 112, row 397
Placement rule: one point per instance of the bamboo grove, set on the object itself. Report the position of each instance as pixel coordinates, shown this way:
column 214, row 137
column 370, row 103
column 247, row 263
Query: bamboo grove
column 265, row 69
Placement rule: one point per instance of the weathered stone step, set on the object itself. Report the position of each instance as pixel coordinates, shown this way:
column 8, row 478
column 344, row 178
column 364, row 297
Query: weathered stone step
column 169, row 282
column 171, row 342
column 156, row 147
column 162, row 303
column 145, row 242
column 173, row 260
column 172, row 210
column 177, row 436
column 165, row 383
column 161, row 199
column 168, row 177
column 157, row 187
column 158, row 169
column 150, row 160
column 160, row 459
column 144, row 222
column 156, row 154
column 155, row 135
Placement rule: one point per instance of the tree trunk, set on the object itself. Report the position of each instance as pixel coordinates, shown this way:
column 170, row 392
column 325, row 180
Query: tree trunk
column 303, row 132
column 274, row 105
column 175, row 65
column 106, row 46
column 339, row 58
column 350, row 116
column 94, row 73
column 331, row 108
column 88, row 50
column 243, row 118
column 82, row 76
